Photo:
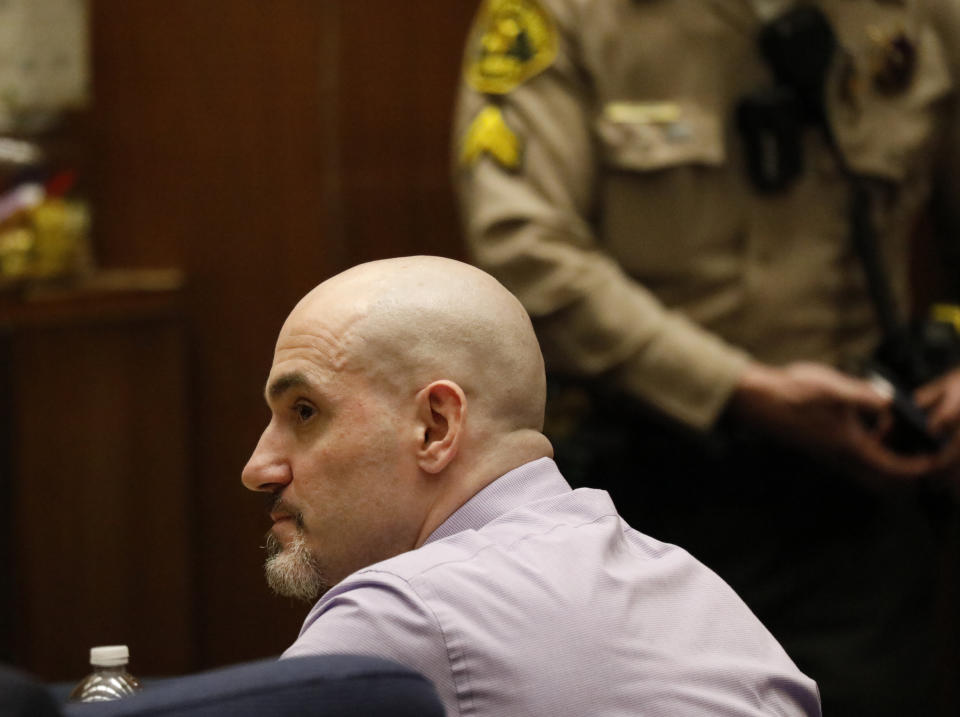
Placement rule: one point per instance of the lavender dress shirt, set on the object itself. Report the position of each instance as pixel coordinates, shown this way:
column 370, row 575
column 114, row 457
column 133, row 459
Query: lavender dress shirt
column 535, row 599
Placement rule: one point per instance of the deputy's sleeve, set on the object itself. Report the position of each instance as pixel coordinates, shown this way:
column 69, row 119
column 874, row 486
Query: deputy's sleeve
column 526, row 175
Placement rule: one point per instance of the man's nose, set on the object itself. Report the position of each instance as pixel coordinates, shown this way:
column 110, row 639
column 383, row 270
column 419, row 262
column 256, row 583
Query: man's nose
column 267, row 470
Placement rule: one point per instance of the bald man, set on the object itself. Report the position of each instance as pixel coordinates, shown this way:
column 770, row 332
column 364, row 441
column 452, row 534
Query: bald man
column 414, row 497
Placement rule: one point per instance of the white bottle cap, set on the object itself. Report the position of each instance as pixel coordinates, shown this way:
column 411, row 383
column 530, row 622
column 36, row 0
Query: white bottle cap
column 109, row 655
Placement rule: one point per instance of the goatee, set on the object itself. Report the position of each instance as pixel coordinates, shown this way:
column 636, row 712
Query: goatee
column 293, row 571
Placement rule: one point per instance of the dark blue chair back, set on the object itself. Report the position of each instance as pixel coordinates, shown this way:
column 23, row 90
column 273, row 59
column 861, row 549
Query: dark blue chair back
column 327, row 685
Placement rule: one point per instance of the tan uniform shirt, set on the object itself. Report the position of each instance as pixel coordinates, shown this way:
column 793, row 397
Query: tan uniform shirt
column 625, row 219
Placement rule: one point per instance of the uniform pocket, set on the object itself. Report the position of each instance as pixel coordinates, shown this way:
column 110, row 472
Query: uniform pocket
column 646, row 136
column 668, row 200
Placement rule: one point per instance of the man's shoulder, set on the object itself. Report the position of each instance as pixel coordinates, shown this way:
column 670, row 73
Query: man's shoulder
column 523, row 526
column 576, row 526
column 487, row 601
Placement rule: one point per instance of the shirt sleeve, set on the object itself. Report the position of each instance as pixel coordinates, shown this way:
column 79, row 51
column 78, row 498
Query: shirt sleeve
column 378, row 614
column 530, row 225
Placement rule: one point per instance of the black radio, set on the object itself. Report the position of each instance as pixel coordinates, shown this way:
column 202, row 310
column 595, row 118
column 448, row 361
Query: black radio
column 798, row 46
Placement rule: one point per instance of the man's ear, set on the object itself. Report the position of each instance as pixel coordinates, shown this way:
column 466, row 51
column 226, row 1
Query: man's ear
column 441, row 410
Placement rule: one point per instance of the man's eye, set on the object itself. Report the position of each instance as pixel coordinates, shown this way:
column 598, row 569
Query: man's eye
column 304, row 412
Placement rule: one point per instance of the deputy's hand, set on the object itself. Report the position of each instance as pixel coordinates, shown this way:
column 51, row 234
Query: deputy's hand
column 940, row 399
column 831, row 414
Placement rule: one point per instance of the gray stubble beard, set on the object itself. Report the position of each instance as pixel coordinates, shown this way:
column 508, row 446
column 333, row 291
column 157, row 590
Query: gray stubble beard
column 293, row 571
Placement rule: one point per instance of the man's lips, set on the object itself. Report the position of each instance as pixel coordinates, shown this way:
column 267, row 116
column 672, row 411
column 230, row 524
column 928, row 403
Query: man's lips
column 279, row 510
column 284, row 525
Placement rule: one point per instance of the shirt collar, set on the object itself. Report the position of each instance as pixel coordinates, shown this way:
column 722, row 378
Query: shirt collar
column 532, row 481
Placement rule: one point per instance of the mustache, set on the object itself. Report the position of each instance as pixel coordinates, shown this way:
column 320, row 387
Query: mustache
column 272, row 543
column 275, row 506
column 279, row 505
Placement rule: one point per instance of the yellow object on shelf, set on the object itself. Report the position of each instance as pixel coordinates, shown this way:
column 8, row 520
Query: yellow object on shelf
column 47, row 241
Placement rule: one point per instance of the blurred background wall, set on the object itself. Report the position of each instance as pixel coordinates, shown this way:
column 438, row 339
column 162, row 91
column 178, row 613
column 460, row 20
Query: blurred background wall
column 259, row 146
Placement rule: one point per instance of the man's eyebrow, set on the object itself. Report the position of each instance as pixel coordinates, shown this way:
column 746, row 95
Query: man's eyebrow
column 284, row 383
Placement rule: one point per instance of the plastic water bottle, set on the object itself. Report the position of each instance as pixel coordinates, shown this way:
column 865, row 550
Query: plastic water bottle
column 109, row 679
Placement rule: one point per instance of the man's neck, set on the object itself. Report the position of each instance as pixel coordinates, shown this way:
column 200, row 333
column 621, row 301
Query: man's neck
column 469, row 474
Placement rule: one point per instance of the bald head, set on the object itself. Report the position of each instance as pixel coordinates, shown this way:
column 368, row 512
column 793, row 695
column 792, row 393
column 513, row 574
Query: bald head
column 398, row 390
column 407, row 322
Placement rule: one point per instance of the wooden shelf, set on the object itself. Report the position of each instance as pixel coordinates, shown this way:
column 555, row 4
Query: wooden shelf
column 104, row 296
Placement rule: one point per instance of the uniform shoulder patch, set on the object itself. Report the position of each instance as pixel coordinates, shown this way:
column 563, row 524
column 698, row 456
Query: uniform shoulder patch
column 510, row 42
column 489, row 134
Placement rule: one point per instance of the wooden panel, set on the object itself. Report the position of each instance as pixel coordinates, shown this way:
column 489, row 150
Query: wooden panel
column 102, row 505
column 399, row 72
column 10, row 593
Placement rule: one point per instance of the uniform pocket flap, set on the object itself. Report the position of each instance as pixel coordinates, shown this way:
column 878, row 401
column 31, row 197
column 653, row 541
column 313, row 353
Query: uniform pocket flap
column 648, row 136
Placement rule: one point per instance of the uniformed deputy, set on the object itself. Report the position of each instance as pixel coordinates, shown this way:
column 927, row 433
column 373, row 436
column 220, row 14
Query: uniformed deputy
column 670, row 187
